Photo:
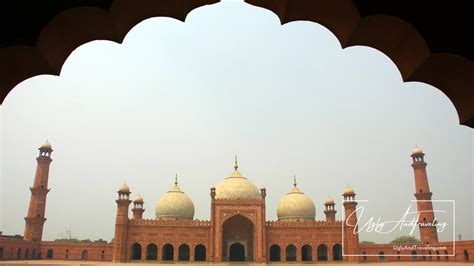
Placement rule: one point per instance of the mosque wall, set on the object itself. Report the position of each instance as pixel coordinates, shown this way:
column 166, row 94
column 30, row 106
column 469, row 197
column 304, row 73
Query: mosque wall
column 76, row 251
column 305, row 238
column 20, row 249
column 16, row 248
column 440, row 251
column 166, row 239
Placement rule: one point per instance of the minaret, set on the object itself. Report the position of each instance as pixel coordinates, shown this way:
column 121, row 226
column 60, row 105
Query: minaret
column 121, row 224
column 213, row 224
column 426, row 219
column 351, row 236
column 330, row 209
column 35, row 218
column 138, row 207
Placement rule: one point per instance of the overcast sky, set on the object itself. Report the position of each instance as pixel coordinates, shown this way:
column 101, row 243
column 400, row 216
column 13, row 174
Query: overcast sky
column 186, row 97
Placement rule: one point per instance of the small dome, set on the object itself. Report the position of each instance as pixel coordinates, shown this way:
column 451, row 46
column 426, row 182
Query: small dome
column 348, row 191
column 46, row 146
column 296, row 206
column 329, row 201
column 237, row 187
column 175, row 205
column 416, row 150
column 124, row 188
column 138, row 199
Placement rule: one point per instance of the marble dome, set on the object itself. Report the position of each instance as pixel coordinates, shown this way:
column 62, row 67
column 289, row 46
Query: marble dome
column 138, row 199
column 416, row 150
column 46, row 146
column 348, row 191
column 124, row 188
column 329, row 201
column 237, row 187
column 296, row 206
column 175, row 205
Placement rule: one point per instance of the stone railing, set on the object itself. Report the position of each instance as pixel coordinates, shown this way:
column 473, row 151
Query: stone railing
column 303, row 223
column 84, row 244
column 202, row 223
column 239, row 201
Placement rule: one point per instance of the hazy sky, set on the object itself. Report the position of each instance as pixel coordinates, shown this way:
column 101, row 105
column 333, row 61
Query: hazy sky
column 186, row 97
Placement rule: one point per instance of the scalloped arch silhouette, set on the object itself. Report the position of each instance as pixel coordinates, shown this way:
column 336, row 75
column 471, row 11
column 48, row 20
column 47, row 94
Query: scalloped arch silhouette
column 400, row 41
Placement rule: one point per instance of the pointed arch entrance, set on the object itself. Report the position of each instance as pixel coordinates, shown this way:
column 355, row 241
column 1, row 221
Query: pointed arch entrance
column 237, row 252
column 306, row 252
column 151, row 252
column 337, row 252
column 168, row 252
column 183, row 252
column 49, row 254
column 237, row 239
column 322, row 252
column 136, row 252
column 200, row 253
column 275, row 252
column 290, row 253
column 84, row 255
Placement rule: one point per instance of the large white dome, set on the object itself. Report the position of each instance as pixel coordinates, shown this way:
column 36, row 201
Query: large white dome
column 175, row 205
column 296, row 206
column 237, row 187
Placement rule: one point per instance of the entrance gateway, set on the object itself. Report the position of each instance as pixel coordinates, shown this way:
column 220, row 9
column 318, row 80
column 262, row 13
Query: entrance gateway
column 238, row 239
column 237, row 252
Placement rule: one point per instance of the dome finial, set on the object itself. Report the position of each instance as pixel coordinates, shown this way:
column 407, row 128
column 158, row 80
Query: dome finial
column 176, row 179
column 236, row 166
column 294, row 180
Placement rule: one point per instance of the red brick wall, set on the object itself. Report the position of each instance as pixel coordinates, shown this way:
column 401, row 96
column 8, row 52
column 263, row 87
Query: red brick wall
column 74, row 251
column 14, row 249
column 373, row 252
column 162, row 232
column 313, row 233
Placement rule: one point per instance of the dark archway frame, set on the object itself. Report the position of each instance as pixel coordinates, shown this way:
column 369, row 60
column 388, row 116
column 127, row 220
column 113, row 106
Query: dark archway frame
column 254, row 236
column 399, row 40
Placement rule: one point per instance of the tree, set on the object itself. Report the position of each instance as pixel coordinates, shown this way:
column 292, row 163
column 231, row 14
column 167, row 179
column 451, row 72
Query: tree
column 405, row 239
column 67, row 234
column 67, row 240
column 365, row 242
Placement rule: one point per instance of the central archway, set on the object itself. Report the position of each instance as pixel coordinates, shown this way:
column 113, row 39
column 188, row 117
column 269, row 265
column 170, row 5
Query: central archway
column 236, row 252
column 237, row 239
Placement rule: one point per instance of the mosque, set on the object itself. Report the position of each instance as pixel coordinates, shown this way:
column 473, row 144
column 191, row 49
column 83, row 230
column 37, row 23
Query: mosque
column 236, row 231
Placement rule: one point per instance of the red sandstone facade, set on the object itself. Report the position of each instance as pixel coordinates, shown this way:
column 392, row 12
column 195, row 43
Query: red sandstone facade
column 237, row 230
